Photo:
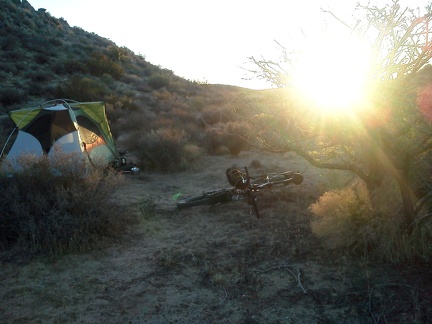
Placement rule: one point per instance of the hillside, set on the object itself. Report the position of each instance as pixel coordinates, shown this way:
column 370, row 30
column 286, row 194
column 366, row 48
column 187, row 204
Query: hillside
column 43, row 58
column 41, row 54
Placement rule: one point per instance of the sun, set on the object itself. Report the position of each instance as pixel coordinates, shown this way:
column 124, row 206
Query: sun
column 332, row 73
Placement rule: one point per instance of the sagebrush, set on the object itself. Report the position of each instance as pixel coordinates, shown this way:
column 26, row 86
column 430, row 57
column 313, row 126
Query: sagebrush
column 355, row 221
column 58, row 205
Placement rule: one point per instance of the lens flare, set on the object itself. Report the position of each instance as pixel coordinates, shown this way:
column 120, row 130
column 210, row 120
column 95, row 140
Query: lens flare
column 333, row 74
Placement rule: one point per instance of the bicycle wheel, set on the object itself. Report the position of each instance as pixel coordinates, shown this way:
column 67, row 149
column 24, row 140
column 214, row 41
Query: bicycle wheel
column 206, row 199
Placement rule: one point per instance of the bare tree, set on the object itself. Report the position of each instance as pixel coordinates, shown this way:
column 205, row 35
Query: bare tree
column 385, row 139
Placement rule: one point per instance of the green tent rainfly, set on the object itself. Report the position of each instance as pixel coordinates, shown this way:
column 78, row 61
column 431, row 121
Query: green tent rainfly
column 69, row 126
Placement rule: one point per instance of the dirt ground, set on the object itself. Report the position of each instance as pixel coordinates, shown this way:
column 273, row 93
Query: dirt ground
column 215, row 264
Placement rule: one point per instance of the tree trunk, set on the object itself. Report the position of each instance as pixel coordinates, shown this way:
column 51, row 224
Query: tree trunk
column 407, row 197
column 380, row 166
column 375, row 161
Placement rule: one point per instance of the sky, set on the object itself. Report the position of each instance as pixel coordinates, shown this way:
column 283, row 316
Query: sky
column 205, row 41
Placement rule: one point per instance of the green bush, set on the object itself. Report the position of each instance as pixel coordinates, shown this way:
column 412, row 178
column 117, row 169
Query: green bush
column 7, row 68
column 37, row 43
column 74, row 66
column 58, row 205
column 82, row 89
column 158, row 81
column 6, row 128
column 100, row 64
column 38, row 75
column 9, row 43
column 42, row 58
column 11, row 95
column 39, row 89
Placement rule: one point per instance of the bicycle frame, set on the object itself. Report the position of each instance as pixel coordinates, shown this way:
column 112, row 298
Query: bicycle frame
column 276, row 180
column 248, row 192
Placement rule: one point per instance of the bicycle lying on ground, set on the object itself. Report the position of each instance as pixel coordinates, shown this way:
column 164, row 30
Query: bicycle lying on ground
column 244, row 187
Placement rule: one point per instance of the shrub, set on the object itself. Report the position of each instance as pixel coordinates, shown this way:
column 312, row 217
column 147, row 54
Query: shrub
column 349, row 220
column 41, row 58
column 74, row 66
column 158, row 81
column 116, row 53
column 345, row 218
column 82, row 89
column 421, row 175
column 213, row 116
column 38, row 76
column 235, row 139
column 7, row 68
column 100, row 64
column 11, row 95
column 256, row 164
column 163, row 150
column 213, row 142
column 38, row 89
column 9, row 43
column 6, row 128
column 37, row 43
column 132, row 79
column 225, row 138
column 198, row 103
column 58, row 205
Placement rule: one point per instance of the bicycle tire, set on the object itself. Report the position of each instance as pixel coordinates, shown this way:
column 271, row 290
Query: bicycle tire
column 297, row 178
column 206, row 199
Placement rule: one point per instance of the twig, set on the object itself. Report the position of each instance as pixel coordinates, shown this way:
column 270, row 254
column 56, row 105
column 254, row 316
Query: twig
column 271, row 250
column 420, row 218
column 223, row 300
column 299, row 282
column 272, row 268
column 370, row 306
column 292, row 273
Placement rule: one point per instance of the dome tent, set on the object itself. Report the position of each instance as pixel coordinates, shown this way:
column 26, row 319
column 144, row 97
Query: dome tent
column 65, row 125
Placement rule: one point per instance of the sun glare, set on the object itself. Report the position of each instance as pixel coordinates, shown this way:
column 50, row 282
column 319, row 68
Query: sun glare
column 332, row 74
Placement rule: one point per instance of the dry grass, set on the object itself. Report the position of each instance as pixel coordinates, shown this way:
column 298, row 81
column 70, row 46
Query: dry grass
column 352, row 220
column 58, row 205
column 344, row 218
